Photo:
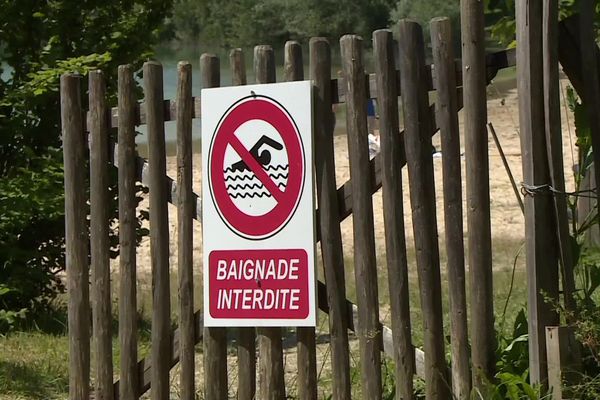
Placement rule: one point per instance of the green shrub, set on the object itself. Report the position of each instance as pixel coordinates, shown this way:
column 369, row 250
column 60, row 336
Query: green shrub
column 38, row 42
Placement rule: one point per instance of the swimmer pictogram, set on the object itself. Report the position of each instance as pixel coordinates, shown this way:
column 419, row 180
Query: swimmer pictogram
column 242, row 183
column 256, row 167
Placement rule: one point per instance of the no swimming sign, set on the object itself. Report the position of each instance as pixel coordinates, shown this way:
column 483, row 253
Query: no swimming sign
column 258, row 205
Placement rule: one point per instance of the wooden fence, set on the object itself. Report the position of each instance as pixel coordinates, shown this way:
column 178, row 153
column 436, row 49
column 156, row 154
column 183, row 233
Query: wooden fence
column 543, row 43
column 412, row 80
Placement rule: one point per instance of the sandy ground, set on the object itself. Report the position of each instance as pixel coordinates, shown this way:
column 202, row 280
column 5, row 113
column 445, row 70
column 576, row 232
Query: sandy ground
column 506, row 217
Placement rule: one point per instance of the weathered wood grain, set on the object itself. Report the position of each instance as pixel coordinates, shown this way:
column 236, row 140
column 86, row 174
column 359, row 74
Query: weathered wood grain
column 215, row 338
column 237, row 63
column 129, row 388
column 555, row 149
column 393, row 211
column 365, row 262
column 185, row 210
column 99, row 239
column 293, row 69
column 76, row 236
column 159, row 232
column 478, row 192
column 328, row 217
column 591, row 79
column 540, row 240
column 443, row 54
column 422, row 199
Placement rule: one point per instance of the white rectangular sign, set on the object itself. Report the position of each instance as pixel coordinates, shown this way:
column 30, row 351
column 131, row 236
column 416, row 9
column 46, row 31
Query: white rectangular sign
column 258, row 205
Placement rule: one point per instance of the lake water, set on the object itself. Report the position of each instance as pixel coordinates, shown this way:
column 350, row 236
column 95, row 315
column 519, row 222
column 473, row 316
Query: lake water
column 502, row 83
column 170, row 92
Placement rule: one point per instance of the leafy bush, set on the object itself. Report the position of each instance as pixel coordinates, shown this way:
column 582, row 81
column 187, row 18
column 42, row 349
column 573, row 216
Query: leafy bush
column 38, row 42
column 587, row 324
column 511, row 380
column 32, row 232
column 9, row 318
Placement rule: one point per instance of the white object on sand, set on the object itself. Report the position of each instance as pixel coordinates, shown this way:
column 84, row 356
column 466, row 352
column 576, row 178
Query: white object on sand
column 374, row 146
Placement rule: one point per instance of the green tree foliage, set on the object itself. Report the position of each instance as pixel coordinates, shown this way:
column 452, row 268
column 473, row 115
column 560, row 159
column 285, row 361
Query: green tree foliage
column 238, row 23
column 423, row 11
column 336, row 18
column 500, row 15
column 40, row 40
column 501, row 18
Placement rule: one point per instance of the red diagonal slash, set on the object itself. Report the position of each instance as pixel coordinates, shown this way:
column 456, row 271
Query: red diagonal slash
column 256, row 167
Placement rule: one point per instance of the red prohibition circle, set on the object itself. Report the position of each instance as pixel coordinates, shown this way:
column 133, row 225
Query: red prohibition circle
column 251, row 226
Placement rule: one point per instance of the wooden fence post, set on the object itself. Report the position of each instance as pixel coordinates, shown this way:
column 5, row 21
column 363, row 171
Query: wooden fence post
column 237, row 63
column 478, row 192
column 128, row 385
column 271, row 373
column 185, row 210
column 307, row 352
column 99, row 239
column 365, row 265
column 246, row 351
column 159, row 232
column 590, row 70
column 331, row 237
column 392, row 150
column 542, row 270
column 293, row 67
column 555, row 147
column 76, row 236
column 563, row 359
column 215, row 338
column 420, row 169
column 570, row 50
column 447, row 117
